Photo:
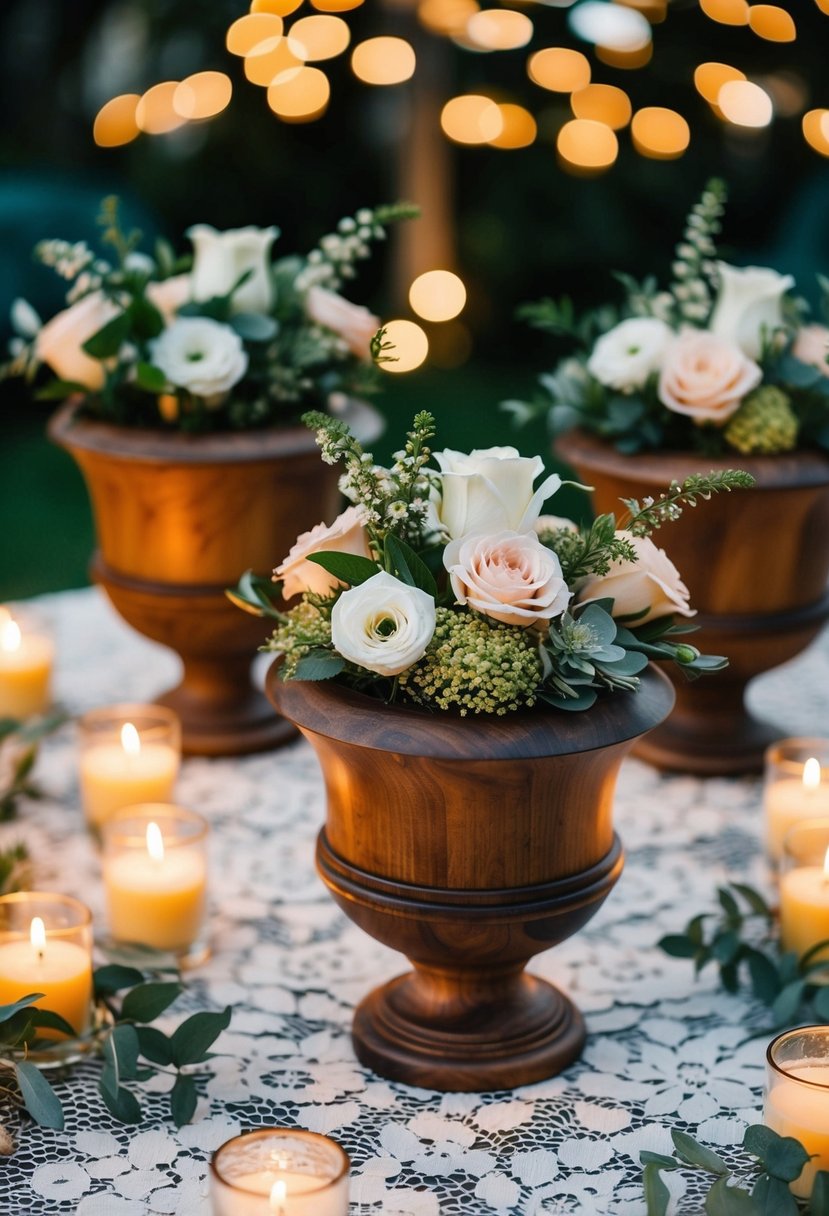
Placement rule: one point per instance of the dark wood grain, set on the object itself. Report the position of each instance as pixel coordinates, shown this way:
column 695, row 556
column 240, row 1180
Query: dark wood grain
column 469, row 845
column 756, row 563
column 178, row 519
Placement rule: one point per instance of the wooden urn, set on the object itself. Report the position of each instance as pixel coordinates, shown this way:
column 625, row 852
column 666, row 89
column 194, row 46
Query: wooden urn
column 178, row 518
column 469, row 844
column 756, row 563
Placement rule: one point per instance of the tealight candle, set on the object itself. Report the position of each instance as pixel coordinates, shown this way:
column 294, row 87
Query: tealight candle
column 25, row 670
column 796, row 788
column 155, row 877
column 279, row 1172
column 797, row 1096
column 46, row 946
column 804, row 887
column 129, row 754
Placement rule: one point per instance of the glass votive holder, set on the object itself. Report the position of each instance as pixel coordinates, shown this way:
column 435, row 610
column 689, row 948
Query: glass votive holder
column 46, row 946
column 128, row 754
column 26, row 658
column 795, row 787
column 155, row 880
column 804, row 888
column 279, row 1171
column 797, row 1096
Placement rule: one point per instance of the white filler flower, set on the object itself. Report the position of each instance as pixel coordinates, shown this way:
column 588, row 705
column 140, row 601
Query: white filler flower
column 200, row 355
column 383, row 625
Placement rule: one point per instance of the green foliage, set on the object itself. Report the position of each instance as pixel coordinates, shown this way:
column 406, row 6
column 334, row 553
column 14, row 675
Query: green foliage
column 18, row 754
column 774, row 1160
column 646, row 517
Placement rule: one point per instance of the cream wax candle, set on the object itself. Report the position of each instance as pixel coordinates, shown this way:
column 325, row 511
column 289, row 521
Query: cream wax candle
column 804, row 886
column 279, row 1172
column 130, row 754
column 46, row 947
column 796, row 787
column 797, row 1096
column 25, row 670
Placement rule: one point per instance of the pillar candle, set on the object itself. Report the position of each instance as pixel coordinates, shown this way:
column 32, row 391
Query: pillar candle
column 25, row 671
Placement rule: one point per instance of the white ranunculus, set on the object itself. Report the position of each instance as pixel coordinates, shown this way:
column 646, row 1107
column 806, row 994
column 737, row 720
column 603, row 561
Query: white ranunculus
column 491, row 490
column 200, row 355
column 628, row 354
column 651, row 585
column 59, row 342
column 383, row 625
column 221, row 258
column 749, row 305
column 353, row 323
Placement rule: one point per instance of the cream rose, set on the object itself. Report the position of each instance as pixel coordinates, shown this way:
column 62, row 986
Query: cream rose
column 221, row 258
column 59, row 342
column 383, row 625
column 347, row 534
column 353, row 323
column 200, row 355
column 812, row 347
column 510, row 577
column 706, row 377
column 628, row 354
column 651, row 585
column 490, row 490
column 749, row 305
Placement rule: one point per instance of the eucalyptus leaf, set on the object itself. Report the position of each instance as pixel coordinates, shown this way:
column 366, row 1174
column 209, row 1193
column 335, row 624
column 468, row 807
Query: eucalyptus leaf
column 122, row 1104
column 659, row 1159
column 47, row 1020
column 183, row 1099
column 154, row 1045
column 8, row 1011
column 146, row 1002
column 254, row 327
column 787, row 1002
column 319, row 665
column 694, row 1153
column 113, row 977
column 753, row 898
column 725, row 947
column 39, row 1098
column 764, row 978
column 785, row 1158
column 821, row 1004
column 657, row 1195
column 678, row 945
column 772, row 1197
column 725, row 1200
column 194, row 1037
column 819, row 1202
column 121, row 1050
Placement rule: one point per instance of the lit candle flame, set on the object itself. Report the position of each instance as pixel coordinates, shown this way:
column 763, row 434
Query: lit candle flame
column 155, row 842
column 10, row 636
column 37, row 934
column 811, row 774
column 279, row 1192
column 130, row 739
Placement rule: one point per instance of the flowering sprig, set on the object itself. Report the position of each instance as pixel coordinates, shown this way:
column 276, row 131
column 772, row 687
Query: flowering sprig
column 694, row 268
column 334, row 259
column 650, row 514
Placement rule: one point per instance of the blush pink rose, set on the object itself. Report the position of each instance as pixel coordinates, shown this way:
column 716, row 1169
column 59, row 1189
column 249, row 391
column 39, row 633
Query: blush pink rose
column 347, row 534
column 812, row 347
column 651, row 585
column 169, row 295
column 60, row 342
column 509, row 576
column 706, row 377
column 353, row 323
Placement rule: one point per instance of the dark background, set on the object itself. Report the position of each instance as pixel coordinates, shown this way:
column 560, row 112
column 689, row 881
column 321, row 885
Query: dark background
column 519, row 226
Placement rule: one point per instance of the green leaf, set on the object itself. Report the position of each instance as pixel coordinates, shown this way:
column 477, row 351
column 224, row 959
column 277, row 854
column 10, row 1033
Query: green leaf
column 757, row 1139
column 665, row 1163
column 255, row 594
column 114, row 977
column 819, row 1203
column 121, row 1051
column 764, row 978
column 154, row 1045
column 725, row 1200
column 727, row 902
column 347, row 567
column 145, row 1002
column 787, row 1003
column 183, row 1099
column 410, row 567
column 254, row 327
column 121, row 1103
column 677, row 945
column 52, row 1021
column 319, row 665
column 753, row 898
column 772, row 1197
column 109, row 339
column 150, row 378
column 822, row 1004
column 725, row 947
column 193, row 1038
column 785, row 1158
column 59, row 390
column 697, row 1154
column 147, row 321
column 8, row 1011
column 657, row 1195
column 39, row 1098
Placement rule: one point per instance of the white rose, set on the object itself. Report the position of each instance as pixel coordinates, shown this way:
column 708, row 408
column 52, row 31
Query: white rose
column 510, row 577
column 628, row 354
column 652, row 582
column 353, row 323
column 59, row 342
column 347, row 534
column 491, row 490
column 383, row 625
column 169, row 295
column 748, row 305
column 200, row 355
column 706, row 377
column 221, row 258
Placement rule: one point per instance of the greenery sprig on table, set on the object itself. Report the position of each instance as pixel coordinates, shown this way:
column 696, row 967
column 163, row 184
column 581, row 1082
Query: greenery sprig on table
column 133, row 1050
column 18, row 753
column 776, row 1160
column 743, row 941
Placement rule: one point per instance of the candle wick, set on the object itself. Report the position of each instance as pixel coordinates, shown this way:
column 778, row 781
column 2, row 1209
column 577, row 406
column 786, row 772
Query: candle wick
column 40, row 956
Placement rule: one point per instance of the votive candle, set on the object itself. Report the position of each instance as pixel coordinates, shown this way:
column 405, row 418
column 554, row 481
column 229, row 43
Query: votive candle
column 797, row 1096
column 279, row 1172
column 804, row 887
column 25, row 670
column 46, row 946
column 796, row 787
column 130, row 754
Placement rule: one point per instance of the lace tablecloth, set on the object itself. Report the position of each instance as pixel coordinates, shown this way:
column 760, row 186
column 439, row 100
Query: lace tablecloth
column 663, row 1049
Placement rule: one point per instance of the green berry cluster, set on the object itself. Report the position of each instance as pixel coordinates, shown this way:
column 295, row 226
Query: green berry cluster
column 765, row 423
column 305, row 628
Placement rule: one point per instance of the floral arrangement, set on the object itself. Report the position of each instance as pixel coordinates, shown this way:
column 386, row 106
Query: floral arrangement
column 720, row 362
column 227, row 338
column 446, row 588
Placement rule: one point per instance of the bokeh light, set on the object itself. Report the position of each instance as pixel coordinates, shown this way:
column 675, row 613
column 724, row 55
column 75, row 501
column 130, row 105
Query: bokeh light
column 471, row 119
column 823, row 5
column 726, row 12
column 603, row 103
column 559, row 69
column 659, row 133
column 282, row 8
column 336, row 6
column 321, row 36
column 302, row 98
column 587, row 146
column 628, row 61
column 155, row 112
column 519, row 128
column 203, row 95
column 275, row 61
column 654, row 10
column 611, row 25
column 383, row 61
column 709, row 78
column 115, row 123
column 816, row 130
column 409, row 346
column 499, row 29
column 772, row 23
column 251, row 30
column 448, row 17
column 745, row 104
column 437, row 295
